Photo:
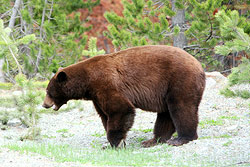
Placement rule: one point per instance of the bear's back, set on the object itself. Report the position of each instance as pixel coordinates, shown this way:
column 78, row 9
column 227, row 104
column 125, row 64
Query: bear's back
column 144, row 74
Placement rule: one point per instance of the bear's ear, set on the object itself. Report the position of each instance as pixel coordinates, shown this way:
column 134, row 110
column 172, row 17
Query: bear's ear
column 61, row 76
column 60, row 68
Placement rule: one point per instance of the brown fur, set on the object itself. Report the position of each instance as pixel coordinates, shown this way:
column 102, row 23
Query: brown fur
column 161, row 79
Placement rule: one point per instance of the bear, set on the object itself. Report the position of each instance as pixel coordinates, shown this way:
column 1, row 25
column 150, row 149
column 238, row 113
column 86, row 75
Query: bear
column 155, row 78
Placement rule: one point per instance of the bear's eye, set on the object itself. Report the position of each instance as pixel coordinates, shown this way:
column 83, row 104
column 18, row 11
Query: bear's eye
column 49, row 95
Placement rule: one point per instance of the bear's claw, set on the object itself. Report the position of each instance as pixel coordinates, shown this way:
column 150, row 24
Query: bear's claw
column 149, row 143
column 177, row 141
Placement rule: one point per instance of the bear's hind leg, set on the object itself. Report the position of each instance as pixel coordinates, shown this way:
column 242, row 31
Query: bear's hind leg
column 185, row 119
column 163, row 130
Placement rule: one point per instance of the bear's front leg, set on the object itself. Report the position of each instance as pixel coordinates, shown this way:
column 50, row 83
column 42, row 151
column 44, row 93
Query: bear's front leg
column 118, row 126
column 120, row 114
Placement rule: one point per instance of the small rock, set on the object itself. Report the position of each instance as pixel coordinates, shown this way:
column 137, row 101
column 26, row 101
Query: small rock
column 210, row 82
column 17, row 93
column 232, row 128
column 14, row 122
column 217, row 77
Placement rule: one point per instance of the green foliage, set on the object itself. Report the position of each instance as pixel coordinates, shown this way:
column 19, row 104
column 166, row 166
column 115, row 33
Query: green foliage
column 27, row 105
column 60, row 34
column 241, row 73
column 227, row 92
column 6, row 86
column 142, row 23
column 146, row 22
column 203, row 33
column 245, row 94
column 9, row 47
column 30, row 98
column 237, row 39
column 92, row 48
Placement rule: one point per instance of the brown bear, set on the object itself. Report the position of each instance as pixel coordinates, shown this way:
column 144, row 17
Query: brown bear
column 162, row 79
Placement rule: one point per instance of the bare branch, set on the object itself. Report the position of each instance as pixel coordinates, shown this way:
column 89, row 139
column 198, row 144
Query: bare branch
column 41, row 36
column 14, row 12
column 5, row 14
column 13, row 55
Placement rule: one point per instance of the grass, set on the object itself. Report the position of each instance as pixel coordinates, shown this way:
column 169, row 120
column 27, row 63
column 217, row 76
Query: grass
column 48, row 136
column 62, row 131
column 228, row 143
column 211, row 122
column 96, row 134
column 142, row 130
column 65, row 133
column 216, row 137
column 117, row 157
column 229, row 117
column 218, row 122
column 162, row 155
column 245, row 94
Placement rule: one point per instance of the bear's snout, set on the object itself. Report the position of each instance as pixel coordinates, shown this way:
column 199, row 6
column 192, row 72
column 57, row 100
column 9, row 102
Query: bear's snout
column 46, row 106
column 48, row 102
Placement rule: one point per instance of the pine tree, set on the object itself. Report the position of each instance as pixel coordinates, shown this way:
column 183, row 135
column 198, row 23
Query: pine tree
column 9, row 47
column 235, row 38
column 92, row 49
column 143, row 23
column 203, row 33
column 59, row 31
column 153, row 22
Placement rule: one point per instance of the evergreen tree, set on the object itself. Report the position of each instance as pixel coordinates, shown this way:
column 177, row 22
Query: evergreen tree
column 153, row 22
column 9, row 47
column 59, row 31
column 203, row 34
column 235, row 38
column 92, row 49
column 142, row 23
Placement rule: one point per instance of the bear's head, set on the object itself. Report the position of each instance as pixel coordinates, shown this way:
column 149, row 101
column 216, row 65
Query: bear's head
column 56, row 91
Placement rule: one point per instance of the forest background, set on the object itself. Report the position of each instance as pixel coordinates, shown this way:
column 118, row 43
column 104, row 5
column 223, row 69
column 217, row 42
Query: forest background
column 39, row 36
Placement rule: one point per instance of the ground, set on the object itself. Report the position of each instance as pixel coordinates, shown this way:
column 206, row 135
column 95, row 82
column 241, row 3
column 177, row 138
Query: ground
column 75, row 138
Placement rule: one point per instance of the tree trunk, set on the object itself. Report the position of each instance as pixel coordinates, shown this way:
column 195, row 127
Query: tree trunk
column 179, row 19
column 14, row 12
column 11, row 25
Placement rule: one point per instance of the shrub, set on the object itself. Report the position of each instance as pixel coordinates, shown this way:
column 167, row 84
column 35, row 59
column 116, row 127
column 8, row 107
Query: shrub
column 6, row 86
column 27, row 105
column 227, row 92
column 240, row 74
column 245, row 94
